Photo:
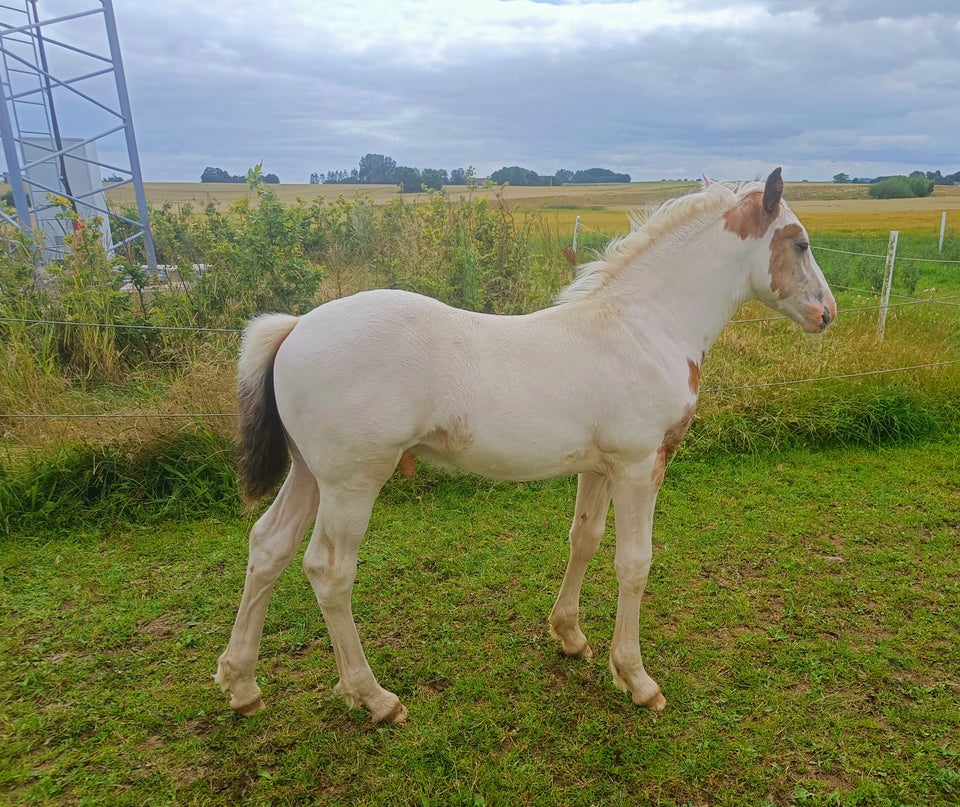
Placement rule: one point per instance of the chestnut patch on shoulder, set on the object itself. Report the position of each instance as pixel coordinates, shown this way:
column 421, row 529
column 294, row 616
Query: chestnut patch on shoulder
column 748, row 219
column 694, row 377
column 784, row 281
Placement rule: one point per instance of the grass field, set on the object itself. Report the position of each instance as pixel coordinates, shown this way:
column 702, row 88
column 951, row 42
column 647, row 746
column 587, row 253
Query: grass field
column 802, row 615
column 802, row 618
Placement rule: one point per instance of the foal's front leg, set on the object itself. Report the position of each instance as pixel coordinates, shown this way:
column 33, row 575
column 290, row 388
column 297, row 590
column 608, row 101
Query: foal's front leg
column 634, row 497
column 589, row 520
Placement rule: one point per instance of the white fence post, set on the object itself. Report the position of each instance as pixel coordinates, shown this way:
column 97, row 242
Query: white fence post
column 943, row 226
column 576, row 232
column 887, row 282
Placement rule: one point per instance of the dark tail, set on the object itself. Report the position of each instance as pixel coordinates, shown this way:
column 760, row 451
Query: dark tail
column 262, row 443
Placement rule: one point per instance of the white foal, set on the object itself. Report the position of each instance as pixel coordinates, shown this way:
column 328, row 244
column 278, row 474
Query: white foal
column 604, row 384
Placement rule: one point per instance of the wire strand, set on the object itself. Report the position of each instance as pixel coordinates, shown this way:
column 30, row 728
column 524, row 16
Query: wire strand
column 713, row 390
column 882, row 257
column 844, row 376
column 118, row 415
column 118, row 325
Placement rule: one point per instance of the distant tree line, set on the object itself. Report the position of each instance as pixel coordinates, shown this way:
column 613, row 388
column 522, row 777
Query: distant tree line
column 378, row 169
column 219, row 175
column 918, row 183
column 516, row 175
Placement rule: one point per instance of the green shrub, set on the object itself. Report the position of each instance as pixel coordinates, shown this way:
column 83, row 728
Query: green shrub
column 901, row 187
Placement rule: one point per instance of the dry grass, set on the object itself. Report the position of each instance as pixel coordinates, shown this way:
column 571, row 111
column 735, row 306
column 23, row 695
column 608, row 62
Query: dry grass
column 205, row 387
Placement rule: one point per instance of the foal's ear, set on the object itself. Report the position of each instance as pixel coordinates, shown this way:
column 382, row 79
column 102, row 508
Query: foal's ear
column 772, row 192
column 705, row 181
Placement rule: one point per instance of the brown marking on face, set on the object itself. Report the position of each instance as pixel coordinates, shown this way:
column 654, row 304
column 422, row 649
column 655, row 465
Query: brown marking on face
column 408, row 465
column 748, row 219
column 694, row 377
column 785, row 280
column 671, row 441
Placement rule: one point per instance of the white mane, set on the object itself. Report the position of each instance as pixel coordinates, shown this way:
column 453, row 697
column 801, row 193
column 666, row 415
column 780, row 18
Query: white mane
column 677, row 218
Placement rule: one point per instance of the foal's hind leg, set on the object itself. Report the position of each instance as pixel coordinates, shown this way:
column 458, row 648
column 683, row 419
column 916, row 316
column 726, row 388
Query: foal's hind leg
column 274, row 540
column 331, row 564
column 589, row 520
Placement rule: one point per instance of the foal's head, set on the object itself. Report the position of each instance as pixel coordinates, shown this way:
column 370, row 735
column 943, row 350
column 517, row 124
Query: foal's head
column 786, row 277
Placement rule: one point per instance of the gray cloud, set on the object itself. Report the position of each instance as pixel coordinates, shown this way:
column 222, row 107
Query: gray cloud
column 653, row 88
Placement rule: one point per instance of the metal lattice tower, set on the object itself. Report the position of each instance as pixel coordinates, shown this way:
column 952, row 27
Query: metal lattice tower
column 65, row 120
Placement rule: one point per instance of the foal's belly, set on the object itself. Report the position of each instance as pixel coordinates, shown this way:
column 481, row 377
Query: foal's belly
column 519, row 462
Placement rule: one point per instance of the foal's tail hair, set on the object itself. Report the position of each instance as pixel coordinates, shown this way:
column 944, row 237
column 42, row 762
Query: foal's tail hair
column 262, row 442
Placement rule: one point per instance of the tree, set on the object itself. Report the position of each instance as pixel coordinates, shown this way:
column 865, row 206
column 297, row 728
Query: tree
column 376, row 169
column 516, row 175
column 216, row 175
column 563, row 176
column 433, row 178
column 841, row 177
column 919, row 183
column 407, row 178
column 458, row 177
column 314, row 178
column 271, row 179
column 592, row 175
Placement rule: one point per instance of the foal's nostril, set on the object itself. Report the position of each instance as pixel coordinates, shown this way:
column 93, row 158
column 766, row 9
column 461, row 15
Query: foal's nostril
column 825, row 319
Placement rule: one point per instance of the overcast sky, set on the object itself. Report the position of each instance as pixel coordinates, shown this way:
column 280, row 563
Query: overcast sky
column 652, row 88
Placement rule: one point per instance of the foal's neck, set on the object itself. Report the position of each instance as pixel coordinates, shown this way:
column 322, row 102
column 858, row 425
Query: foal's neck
column 690, row 286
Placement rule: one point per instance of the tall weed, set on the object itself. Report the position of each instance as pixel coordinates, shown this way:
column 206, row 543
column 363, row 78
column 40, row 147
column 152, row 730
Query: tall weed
column 475, row 252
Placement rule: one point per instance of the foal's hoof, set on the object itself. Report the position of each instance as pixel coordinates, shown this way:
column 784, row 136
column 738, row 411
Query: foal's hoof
column 583, row 652
column 656, row 703
column 249, row 709
column 397, row 715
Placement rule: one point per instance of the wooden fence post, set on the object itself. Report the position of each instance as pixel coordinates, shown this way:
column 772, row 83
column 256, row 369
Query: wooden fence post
column 943, row 226
column 887, row 282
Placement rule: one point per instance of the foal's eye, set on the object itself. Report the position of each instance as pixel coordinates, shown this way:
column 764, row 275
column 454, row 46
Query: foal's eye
column 802, row 246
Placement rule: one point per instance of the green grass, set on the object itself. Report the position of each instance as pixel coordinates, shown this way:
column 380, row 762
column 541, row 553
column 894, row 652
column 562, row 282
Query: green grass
column 802, row 617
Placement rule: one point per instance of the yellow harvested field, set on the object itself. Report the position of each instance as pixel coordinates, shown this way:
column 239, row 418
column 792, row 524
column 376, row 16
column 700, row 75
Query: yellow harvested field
column 615, row 196
column 825, row 207
column 867, row 216
column 225, row 193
